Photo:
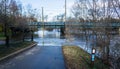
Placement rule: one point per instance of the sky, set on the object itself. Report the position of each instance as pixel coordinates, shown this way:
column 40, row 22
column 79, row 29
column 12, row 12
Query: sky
column 51, row 7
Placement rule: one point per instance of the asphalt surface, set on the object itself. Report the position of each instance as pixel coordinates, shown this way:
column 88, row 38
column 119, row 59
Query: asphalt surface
column 39, row 57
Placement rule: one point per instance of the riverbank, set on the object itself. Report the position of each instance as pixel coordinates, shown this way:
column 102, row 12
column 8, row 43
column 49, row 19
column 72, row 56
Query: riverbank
column 77, row 58
column 14, row 47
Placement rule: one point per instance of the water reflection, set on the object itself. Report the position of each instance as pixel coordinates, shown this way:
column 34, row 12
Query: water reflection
column 49, row 37
column 55, row 33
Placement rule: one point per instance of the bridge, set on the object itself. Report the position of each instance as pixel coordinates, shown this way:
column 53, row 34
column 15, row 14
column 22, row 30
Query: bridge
column 59, row 25
column 48, row 24
column 62, row 24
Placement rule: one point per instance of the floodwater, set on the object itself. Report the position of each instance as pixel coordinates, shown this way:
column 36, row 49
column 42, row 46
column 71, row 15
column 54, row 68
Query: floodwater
column 53, row 38
column 49, row 38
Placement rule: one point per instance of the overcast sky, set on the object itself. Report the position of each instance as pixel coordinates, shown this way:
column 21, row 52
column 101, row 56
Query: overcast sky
column 51, row 7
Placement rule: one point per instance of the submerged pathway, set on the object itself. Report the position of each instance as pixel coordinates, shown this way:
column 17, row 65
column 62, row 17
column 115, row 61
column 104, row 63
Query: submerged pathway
column 39, row 57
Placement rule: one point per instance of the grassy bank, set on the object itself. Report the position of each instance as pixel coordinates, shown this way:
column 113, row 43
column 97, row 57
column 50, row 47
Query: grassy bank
column 76, row 58
column 2, row 36
column 13, row 47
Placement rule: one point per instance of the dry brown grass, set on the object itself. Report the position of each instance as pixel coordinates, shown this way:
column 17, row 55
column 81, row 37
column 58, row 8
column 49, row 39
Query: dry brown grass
column 77, row 58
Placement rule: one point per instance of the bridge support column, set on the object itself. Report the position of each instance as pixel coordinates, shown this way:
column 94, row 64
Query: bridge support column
column 119, row 30
column 62, row 32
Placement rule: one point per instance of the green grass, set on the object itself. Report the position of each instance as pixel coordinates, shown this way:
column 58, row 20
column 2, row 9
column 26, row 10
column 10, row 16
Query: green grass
column 77, row 58
column 2, row 36
column 13, row 47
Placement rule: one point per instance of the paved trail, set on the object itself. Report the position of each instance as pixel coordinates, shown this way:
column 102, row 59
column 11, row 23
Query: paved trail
column 39, row 57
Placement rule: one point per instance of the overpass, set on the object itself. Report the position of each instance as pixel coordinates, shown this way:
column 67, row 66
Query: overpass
column 76, row 24
column 48, row 24
column 61, row 25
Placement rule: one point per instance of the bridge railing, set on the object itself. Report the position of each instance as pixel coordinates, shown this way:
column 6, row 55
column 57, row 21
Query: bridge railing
column 89, row 24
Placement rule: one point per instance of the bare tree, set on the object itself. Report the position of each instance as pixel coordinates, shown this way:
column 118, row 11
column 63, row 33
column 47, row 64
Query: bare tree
column 95, row 19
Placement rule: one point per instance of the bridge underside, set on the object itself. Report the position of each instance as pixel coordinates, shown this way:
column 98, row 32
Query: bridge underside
column 49, row 26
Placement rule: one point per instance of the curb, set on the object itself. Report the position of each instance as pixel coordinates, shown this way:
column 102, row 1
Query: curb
column 16, row 53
